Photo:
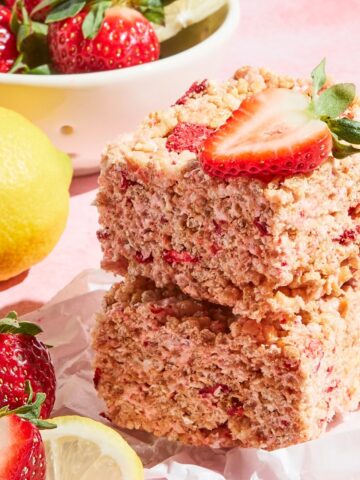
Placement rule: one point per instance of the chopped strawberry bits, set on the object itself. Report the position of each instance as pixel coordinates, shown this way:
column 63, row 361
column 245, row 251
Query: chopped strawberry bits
column 140, row 258
column 261, row 226
column 236, row 409
column 97, row 375
column 188, row 136
column 157, row 310
column 214, row 390
column 172, row 256
column 195, row 89
column 354, row 211
column 348, row 236
column 103, row 234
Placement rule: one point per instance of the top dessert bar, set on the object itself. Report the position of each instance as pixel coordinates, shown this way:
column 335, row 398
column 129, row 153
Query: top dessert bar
column 255, row 246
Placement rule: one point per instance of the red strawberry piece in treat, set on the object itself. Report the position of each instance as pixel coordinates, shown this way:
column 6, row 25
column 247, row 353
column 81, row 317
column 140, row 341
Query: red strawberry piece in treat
column 24, row 358
column 8, row 51
column 188, row 136
column 22, row 452
column 271, row 134
column 195, row 89
column 281, row 133
column 172, row 256
column 124, row 38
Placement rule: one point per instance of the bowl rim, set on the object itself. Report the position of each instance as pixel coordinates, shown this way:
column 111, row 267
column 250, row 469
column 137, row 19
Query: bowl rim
column 81, row 80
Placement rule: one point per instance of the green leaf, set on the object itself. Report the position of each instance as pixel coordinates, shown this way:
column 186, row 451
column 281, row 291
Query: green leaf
column 40, row 70
column 4, row 410
column 39, row 28
column 13, row 315
column 30, row 328
column 318, row 76
column 24, row 31
column 345, row 129
column 31, row 410
column 19, row 65
column 94, row 19
column 29, row 391
column 44, row 4
column 342, row 150
column 334, row 100
column 8, row 325
column 34, row 46
column 14, row 20
column 153, row 10
column 64, row 10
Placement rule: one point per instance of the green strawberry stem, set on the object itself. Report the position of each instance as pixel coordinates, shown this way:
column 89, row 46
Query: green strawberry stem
column 10, row 324
column 31, row 410
column 331, row 103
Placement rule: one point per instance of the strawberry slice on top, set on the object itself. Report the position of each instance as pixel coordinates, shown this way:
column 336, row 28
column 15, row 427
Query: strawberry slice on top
column 280, row 132
column 272, row 133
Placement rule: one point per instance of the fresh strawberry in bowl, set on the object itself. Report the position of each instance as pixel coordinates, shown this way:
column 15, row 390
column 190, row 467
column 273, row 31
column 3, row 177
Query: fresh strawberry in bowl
column 81, row 44
column 8, row 50
column 24, row 358
column 280, row 132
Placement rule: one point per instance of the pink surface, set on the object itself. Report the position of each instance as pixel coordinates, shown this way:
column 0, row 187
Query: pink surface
column 286, row 36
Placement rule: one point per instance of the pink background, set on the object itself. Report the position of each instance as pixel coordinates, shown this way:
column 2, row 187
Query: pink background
column 289, row 36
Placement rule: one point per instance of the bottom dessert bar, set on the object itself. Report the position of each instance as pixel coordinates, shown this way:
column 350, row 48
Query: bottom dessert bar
column 193, row 372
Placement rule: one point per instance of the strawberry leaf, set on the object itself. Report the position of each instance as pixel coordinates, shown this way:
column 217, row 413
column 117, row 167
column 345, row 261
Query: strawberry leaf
column 342, row 150
column 94, row 19
column 64, row 10
column 153, row 10
column 10, row 325
column 345, row 129
column 318, row 76
column 40, row 70
column 19, row 65
column 44, row 4
column 334, row 100
column 31, row 410
column 14, row 20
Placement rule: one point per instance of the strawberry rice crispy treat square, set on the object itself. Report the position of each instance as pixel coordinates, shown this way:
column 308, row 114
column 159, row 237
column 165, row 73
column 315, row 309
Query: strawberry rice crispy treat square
column 195, row 372
column 253, row 246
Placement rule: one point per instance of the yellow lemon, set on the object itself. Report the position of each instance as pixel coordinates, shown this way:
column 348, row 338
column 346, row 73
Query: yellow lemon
column 34, row 198
column 82, row 449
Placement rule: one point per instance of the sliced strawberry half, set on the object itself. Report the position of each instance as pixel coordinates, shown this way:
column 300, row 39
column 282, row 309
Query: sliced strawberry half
column 273, row 133
column 22, row 453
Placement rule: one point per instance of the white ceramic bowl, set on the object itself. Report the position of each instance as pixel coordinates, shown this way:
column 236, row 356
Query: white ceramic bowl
column 82, row 112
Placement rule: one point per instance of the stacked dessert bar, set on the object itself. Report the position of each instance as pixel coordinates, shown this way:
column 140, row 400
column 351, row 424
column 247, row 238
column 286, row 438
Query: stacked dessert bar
column 238, row 319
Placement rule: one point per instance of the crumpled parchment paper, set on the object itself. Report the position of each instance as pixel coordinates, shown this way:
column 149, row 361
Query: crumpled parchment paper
column 67, row 322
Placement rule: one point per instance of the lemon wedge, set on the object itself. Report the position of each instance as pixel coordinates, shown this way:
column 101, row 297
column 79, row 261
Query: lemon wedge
column 82, row 449
column 181, row 14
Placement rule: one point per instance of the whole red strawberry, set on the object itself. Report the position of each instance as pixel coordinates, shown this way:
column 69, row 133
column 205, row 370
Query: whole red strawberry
column 24, row 358
column 22, row 452
column 8, row 51
column 125, row 38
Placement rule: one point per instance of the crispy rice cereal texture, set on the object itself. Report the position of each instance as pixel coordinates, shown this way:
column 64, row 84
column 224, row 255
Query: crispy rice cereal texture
column 240, row 243
column 195, row 372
